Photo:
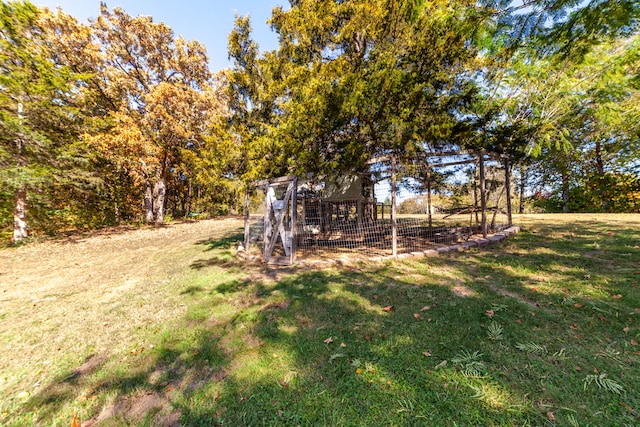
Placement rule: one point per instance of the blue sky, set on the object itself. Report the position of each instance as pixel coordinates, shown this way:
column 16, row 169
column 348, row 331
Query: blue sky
column 208, row 21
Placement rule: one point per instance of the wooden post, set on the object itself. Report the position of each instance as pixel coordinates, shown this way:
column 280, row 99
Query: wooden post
column 267, row 223
column 247, row 235
column 483, row 194
column 394, row 223
column 429, row 194
column 294, row 219
column 507, row 184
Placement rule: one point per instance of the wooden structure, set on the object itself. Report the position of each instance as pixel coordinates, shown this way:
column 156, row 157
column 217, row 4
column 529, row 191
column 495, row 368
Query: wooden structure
column 280, row 220
column 342, row 214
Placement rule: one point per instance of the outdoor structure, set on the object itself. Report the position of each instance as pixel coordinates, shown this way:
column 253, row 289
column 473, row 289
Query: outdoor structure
column 393, row 208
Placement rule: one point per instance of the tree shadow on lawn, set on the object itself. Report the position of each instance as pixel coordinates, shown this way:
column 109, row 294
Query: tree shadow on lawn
column 377, row 344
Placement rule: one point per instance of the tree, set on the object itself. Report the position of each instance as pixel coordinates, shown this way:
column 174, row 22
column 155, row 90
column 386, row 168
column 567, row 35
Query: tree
column 156, row 86
column 40, row 108
column 362, row 79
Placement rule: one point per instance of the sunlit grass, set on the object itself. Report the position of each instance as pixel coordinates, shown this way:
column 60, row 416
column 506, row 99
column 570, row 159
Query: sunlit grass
column 499, row 336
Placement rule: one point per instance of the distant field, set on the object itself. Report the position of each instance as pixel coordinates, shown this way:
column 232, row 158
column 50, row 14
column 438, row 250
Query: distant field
column 168, row 327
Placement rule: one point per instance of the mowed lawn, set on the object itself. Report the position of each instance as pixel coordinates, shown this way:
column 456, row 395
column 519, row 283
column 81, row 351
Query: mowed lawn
column 168, row 327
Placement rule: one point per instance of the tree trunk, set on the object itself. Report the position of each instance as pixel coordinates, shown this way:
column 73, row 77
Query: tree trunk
column 159, row 194
column 20, row 231
column 523, row 181
column 604, row 203
column 507, row 185
column 394, row 223
column 483, row 194
column 148, row 201
column 565, row 191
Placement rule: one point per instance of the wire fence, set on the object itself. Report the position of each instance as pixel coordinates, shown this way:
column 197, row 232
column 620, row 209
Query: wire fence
column 331, row 227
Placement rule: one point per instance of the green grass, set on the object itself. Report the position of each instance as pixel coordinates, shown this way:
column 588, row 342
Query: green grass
column 539, row 330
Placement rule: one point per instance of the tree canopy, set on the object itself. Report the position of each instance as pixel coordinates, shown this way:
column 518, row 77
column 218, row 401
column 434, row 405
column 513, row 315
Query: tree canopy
column 118, row 119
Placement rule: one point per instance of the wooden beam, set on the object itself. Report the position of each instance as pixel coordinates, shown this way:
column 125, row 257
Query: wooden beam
column 279, row 180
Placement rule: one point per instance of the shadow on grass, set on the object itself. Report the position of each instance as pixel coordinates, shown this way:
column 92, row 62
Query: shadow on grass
column 421, row 342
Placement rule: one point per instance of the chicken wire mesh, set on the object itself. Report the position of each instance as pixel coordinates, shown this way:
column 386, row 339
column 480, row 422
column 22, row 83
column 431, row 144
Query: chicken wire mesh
column 351, row 216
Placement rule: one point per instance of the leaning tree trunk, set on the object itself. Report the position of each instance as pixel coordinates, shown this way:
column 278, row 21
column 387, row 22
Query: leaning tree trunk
column 20, row 231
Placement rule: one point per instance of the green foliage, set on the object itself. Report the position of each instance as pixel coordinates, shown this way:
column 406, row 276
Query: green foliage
column 603, row 383
column 470, row 363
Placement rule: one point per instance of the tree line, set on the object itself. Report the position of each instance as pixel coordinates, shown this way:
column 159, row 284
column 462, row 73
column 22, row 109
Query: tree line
column 118, row 120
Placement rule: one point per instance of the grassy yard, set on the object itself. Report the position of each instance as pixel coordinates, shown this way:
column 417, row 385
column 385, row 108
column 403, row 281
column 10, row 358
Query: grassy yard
column 167, row 327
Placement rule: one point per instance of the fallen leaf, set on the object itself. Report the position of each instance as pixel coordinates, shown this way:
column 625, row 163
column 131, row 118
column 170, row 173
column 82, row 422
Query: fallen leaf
column 425, row 308
column 343, row 345
column 367, row 337
column 518, row 321
column 626, row 329
column 441, row 364
column 578, row 368
column 417, row 316
column 426, row 353
column 388, row 308
column 573, row 326
column 627, row 407
column 429, row 319
column 616, row 296
column 489, row 313
column 602, row 318
column 551, row 417
column 633, row 342
column 328, row 340
column 76, row 421
column 577, row 305
column 532, row 314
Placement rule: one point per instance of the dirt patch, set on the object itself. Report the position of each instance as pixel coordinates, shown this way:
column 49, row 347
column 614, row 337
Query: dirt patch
column 132, row 410
column 460, row 290
column 91, row 364
column 513, row 295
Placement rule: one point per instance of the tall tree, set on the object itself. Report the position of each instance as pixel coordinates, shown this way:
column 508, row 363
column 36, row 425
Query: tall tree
column 365, row 78
column 155, row 81
column 40, row 107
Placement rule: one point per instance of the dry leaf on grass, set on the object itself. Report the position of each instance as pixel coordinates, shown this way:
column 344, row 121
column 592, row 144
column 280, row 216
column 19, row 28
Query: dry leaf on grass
column 388, row 308
column 328, row 340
